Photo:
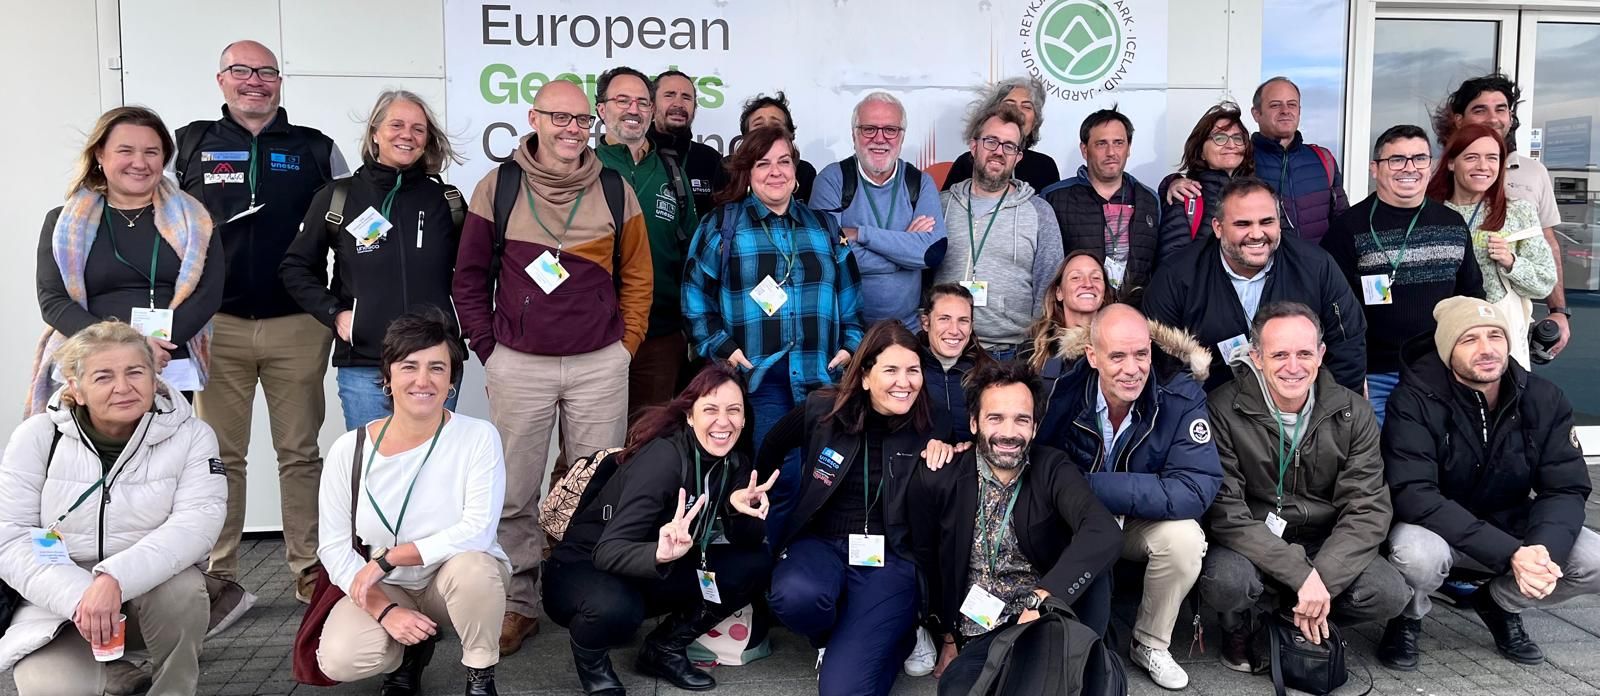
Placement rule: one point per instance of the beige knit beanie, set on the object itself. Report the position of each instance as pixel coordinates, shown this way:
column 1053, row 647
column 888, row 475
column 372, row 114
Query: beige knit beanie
column 1457, row 315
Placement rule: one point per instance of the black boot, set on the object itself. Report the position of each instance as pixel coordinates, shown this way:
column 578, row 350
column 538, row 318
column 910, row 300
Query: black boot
column 594, row 671
column 1509, row 637
column 1398, row 649
column 406, row 680
column 480, row 682
column 665, row 651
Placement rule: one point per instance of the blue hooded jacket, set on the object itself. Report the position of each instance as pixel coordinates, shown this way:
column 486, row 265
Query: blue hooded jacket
column 1301, row 179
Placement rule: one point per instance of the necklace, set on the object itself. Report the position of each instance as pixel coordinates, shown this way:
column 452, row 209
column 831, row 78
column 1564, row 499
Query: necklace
column 131, row 220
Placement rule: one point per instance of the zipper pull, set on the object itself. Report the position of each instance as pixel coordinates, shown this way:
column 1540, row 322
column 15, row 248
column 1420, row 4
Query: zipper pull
column 420, row 215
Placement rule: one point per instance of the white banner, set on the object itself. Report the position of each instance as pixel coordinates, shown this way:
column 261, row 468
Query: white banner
column 825, row 56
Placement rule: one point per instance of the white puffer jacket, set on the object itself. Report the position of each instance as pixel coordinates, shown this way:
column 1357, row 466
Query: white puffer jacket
column 160, row 512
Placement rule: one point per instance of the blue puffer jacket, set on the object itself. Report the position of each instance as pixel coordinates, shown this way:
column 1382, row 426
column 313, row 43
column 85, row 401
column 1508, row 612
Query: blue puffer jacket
column 951, row 422
column 1301, row 180
column 1167, row 468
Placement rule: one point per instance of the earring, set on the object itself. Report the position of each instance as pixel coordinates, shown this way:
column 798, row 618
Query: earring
column 452, row 393
column 387, row 391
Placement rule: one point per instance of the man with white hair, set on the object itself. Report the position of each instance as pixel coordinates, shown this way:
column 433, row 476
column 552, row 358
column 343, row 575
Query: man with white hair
column 888, row 210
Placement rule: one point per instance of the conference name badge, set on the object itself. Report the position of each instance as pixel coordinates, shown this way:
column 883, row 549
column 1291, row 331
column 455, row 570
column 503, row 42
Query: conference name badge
column 548, row 272
column 368, row 228
column 1276, row 524
column 154, row 323
column 866, row 550
column 979, row 290
column 983, row 608
column 1377, row 289
column 708, row 586
column 769, row 296
column 1233, row 349
column 48, row 547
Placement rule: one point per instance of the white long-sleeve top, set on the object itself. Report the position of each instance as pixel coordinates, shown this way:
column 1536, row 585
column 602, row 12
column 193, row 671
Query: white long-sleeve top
column 455, row 507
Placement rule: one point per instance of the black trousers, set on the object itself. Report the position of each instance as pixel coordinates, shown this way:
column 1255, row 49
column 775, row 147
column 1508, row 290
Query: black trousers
column 603, row 610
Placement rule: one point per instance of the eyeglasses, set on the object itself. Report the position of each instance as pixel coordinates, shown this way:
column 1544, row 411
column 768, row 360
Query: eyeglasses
column 1398, row 162
column 889, row 132
column 625, row 102
column 1221, row 139
column 267, row 73
column 560, row 119
column 992, row 143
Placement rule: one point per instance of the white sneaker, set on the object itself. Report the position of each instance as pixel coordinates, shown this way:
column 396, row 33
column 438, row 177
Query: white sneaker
column 1164, row 670
column 920, row 664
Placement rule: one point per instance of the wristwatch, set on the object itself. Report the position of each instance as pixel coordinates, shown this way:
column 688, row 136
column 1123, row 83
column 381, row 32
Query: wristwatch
column 382, row 559
column 1560, row 310
column 1032, row 601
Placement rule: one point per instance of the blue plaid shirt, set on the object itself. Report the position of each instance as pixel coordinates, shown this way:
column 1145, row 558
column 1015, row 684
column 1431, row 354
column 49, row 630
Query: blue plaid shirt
column 821, row 316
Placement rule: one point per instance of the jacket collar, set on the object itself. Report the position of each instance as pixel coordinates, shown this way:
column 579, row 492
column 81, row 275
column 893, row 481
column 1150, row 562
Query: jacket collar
column 1420, row 366
column 1250, row 400
column 1271, row 145
column 168, row 414
column 383, row 176
column 279, row 123
column 1175, row 351
column 1125, row 195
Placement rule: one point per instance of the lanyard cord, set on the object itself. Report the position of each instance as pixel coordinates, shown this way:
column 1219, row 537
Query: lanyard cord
column 975, row 244
column 787, row 256
column 394, row 529
column 1405, row 243
column 388, row 201
column 527, row 190
column 866, row 483
column 155, row 251
column 1292, row 444
column 991, row 546
column 894, row 201
column 711, row 517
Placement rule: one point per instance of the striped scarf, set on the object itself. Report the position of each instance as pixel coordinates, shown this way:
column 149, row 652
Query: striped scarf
column 185, row 225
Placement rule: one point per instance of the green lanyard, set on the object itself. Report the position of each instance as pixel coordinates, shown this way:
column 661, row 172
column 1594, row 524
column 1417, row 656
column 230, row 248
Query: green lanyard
column 975, row 244
column 710, row 517
column 866, row 483
column 251, row 176
column 560, row 240
column 388, row 201
column 1286, row 450
column 991, row 546
column 1474, row 219
column 788, row 256
column 1405, row 242
column 79, row 503
column 894, row 201
column 394, row 529
column 155, row 251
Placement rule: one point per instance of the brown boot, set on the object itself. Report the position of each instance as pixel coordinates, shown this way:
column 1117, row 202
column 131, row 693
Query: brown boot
column 515, row 629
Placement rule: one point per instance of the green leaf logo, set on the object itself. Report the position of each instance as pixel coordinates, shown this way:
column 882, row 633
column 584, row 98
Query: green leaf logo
column 1077, row 41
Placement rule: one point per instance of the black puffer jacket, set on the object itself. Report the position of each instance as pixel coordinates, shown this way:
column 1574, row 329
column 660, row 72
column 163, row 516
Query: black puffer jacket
column 1176, row 223
column 1488, row 481
column 1080, row 212
column 408, row 268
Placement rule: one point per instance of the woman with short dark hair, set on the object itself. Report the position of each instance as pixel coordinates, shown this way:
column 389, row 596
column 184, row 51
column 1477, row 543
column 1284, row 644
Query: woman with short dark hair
column 1027, row 96
column 1218, row 149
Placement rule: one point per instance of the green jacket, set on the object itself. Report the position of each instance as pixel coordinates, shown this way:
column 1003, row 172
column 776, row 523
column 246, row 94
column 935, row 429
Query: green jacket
column 671, row 223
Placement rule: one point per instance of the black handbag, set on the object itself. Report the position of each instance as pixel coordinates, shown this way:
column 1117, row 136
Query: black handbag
column 1298, row 663
column 10, row 600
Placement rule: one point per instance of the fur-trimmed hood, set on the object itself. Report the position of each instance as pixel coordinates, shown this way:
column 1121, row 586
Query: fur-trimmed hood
column 1181, row 350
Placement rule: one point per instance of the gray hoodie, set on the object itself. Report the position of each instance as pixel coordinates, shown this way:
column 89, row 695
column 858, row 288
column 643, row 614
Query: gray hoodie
column 1017, row 261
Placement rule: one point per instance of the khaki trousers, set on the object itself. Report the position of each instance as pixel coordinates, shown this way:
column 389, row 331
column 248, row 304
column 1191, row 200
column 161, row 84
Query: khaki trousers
column 525, row 390
column 467, row 593
column 1173, row 550
column 168, row 621
column 288, row 356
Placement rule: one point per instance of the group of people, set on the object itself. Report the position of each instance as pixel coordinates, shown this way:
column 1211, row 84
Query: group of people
column 825, row 400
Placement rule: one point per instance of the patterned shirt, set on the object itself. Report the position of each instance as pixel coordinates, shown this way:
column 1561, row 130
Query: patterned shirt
column 1533, row 275
column 1013, row 577
column 800, row 250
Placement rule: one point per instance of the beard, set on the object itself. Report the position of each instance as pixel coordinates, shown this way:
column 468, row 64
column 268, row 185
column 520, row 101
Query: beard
column 1007, row 461
column 685, row 130
column 980, row 177
column 1471, row 374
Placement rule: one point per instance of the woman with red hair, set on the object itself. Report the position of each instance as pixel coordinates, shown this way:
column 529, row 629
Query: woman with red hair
column 1506, row 237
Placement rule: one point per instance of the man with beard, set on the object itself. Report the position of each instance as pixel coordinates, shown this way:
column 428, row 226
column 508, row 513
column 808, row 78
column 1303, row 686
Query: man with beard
column 1132, row 417
column 1004, row 526
column 1401, row 255
column 1303, row 509
column 626, row 107
column 672, row 131
column 1106, row 211
column 1487, row 477
column 1212, row 289
column 887, row 210
column 762, row 111
column 1011, row 246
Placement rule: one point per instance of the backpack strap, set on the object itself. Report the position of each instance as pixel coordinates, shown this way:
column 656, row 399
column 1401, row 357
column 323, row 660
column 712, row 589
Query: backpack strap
column 54, row 440
column 189, row 146
column 850, row 180
column 611, row 187
column 1194, row 206
column 1326, row 157
column 507, row 180
column 355, row 488
column 458, row 206
column 334, row 218
column 913, row 184
column 669, row 160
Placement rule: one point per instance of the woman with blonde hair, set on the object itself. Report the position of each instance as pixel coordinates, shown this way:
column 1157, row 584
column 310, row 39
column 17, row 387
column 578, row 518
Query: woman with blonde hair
column 128, row 245
column 1075, row 293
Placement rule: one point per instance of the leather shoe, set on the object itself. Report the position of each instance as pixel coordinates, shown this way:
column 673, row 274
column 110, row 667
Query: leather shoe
column 480, row 682
column 1398, row 648
column 1510, row 638
column 595, row 673
column 406, row 680
column 515, row 629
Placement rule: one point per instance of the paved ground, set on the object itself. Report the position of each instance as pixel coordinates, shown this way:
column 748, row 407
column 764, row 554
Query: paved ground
column 1459, row 658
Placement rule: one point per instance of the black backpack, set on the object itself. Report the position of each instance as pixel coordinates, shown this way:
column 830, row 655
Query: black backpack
column 852, row 180
column 509, row 181
column 1053, row 655
column 341, row 190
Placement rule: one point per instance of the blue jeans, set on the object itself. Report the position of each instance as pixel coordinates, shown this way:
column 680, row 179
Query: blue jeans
column 361, row 396
column 862, row 615
column 1379, row 386
column 769, row 402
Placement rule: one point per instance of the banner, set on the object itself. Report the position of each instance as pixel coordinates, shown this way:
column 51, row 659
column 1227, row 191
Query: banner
column 825, row 56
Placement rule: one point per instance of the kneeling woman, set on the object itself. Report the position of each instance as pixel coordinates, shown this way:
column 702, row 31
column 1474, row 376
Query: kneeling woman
column 427, row 488
column 634, row 551
column 108, row 499
column 845, row 577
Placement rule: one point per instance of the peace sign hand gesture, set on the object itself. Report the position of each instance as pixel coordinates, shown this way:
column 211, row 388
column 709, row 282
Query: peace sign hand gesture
column 752, row 501
column 675, row 538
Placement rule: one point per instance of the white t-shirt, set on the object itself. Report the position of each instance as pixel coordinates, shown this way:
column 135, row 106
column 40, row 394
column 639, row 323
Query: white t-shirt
column 454, row 508
column 1527, row 178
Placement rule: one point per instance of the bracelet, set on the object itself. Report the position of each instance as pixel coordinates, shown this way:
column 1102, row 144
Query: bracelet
column 1559, row 310
column 386, row 611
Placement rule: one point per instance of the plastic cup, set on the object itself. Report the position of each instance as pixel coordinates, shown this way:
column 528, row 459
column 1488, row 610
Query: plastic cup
column 111, row 650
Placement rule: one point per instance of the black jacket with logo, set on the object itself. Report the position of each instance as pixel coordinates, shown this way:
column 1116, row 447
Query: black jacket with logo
column 411, row 266
column 289, row 163
column 701, row 163
column 1488, row 481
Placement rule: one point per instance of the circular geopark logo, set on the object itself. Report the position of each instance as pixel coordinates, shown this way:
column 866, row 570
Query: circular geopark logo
column 1078, row 40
